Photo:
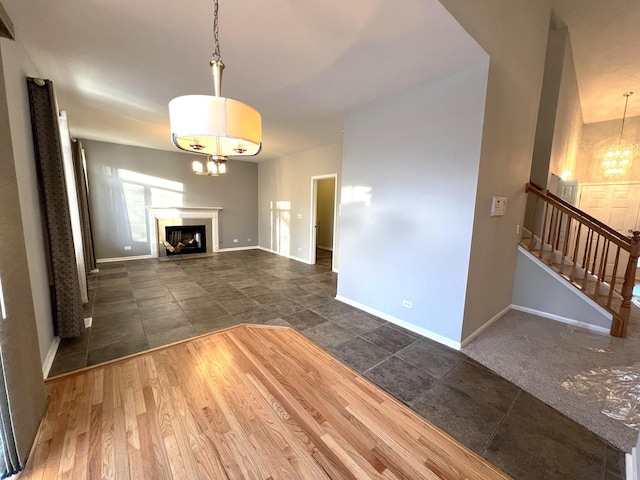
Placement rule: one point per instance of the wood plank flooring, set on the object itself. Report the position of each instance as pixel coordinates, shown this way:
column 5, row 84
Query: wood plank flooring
column 250, row 402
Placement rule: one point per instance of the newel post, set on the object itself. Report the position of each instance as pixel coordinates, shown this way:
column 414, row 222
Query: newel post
column 619, row 327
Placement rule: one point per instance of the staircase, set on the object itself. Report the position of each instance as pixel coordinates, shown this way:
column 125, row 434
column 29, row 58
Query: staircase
column 591, row 256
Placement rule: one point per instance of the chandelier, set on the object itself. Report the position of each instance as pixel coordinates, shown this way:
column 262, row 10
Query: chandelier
column 215, row 126
column 616, row 159
column 215, row 166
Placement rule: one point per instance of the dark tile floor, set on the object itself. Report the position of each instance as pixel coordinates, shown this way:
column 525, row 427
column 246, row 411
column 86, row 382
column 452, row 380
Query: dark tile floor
column 141, row 304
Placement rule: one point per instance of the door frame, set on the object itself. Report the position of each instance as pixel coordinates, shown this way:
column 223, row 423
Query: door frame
column 314, row 218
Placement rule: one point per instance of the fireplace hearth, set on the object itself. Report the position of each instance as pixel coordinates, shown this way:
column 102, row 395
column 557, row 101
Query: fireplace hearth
column 185, row 239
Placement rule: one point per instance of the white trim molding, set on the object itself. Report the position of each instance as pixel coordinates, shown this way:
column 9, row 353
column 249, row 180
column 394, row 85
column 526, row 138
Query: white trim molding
column 51, row 355
column 237, row 249
column 205, row 213
column 558, row 318
column 402, row 323
column 291, row 257
column 631, row 464
column 466, row 341
column 120, row 259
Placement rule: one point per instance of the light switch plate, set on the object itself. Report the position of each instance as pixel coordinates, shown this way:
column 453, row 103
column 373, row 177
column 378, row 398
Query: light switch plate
column 498, row 206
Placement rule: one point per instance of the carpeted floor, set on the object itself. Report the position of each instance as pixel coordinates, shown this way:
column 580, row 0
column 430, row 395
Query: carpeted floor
column 540, row 355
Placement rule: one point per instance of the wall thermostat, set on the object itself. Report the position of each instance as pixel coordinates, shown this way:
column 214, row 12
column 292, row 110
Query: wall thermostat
column 498, row 206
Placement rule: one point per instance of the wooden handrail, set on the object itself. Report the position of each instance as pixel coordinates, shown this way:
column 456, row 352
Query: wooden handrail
column 588, row 254
column 599, row 227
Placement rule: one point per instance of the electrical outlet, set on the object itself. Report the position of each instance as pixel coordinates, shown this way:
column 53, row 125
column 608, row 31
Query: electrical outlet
column 127, row 247
column 299, row 249
column 248, row 239
column 517, row 229
column 235, row 240
column 407, row 304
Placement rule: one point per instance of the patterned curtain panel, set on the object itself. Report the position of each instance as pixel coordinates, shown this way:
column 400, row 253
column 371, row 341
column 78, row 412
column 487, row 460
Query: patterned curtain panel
column 83, row 205
column 63, row 276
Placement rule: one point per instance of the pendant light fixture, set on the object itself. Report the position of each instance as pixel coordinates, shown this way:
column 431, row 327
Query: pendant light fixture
column 616, row 159
column 213, row 167
column 214, row 125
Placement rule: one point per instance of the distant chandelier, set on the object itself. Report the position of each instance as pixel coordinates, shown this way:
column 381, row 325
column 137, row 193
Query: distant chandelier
column 214, row 125
column 214, row 166
column 616, row 159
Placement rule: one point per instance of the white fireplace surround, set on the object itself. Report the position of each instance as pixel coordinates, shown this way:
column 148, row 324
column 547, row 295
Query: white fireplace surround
column 200, row 213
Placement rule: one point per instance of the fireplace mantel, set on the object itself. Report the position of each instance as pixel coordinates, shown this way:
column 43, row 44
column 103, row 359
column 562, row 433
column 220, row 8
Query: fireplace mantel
column 209, row 214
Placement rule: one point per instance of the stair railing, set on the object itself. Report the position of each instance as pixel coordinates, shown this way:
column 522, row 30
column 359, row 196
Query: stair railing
column 589, row 254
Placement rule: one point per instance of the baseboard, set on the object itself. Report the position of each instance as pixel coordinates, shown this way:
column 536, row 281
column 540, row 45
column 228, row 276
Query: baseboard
column 466, row 341
column 631, row 464
column 402, row 323
column 291, row 257
column 322, row 247
column 88, row 322
column 558, row 318
column 123, row 259
column 237, row 249
column 51, row 355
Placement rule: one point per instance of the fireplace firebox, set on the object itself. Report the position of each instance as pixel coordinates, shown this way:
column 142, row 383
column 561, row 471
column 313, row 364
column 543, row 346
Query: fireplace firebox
column 184, row 239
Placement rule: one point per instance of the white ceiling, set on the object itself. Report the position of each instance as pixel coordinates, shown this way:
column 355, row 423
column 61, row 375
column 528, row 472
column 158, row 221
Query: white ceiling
column 116, row 64
column 605, row 38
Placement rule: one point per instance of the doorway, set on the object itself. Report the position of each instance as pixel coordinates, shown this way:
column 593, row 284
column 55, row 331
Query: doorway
column 324, row 220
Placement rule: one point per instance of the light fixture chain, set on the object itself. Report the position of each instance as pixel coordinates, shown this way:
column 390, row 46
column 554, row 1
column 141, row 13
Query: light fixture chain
column 624, row 115
column 216, row 52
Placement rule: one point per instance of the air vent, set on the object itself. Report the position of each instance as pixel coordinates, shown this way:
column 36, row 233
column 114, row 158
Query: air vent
column 6, row 27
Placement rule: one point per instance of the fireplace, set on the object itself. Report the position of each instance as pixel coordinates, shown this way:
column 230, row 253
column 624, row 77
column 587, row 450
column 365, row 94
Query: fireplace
column 184, row 239
column 161, row 217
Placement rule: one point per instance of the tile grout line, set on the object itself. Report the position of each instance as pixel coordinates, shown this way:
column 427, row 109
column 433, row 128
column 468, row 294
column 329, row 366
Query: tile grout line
column 493, row 435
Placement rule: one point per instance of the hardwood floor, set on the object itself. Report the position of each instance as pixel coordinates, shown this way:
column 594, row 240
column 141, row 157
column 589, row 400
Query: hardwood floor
column 250, row 402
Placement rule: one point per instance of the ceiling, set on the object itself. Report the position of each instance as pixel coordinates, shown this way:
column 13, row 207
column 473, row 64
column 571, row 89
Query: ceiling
column 605, row 38
column 116, row 64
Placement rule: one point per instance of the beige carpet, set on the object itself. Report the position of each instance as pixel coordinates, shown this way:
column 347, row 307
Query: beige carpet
column 539, row 355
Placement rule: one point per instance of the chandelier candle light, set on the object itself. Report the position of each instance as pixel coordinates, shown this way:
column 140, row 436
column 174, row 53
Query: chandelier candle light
column 617, row 159
column 215, row 126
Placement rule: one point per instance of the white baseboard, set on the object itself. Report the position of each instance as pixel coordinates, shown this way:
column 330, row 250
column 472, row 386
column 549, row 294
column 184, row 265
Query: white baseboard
column 297, row 259
column 322, row 247
column 122, row 259
column 466, row 341
column 402, row 323
column 51, row 355
column 558, row 318
column 631, row 464
column 237, row 249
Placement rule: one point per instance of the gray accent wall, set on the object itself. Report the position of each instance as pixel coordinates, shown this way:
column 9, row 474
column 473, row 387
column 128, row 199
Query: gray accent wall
column 21, row 363
column 285, row 199
column 559, row 127
column 538, row 288
column 409, row 179
column 569, row 122
column 124, row 180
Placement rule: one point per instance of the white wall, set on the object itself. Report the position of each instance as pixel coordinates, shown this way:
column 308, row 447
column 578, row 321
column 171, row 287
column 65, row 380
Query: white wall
column 409, row 178
column 284, row 199
column 17, row 67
